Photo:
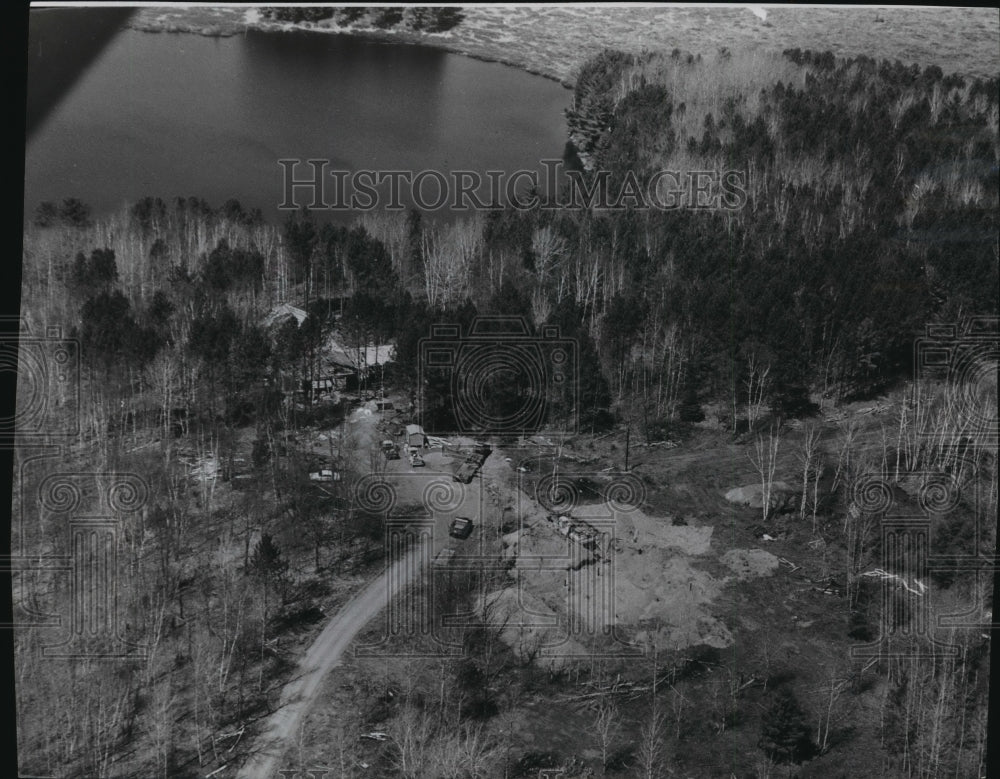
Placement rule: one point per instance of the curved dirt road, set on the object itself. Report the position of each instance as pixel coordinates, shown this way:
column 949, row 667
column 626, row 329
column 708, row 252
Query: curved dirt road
column 325, row 653
column 299, row 694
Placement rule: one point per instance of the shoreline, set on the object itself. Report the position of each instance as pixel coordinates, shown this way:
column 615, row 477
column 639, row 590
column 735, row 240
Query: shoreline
column 439, row 41
column 555, row 41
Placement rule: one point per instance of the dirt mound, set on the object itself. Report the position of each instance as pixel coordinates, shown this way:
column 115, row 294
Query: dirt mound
column 635, row 528
column 641, row 577
column 509, row 543
column 706, row 630
column 530, row 627
column 752, row 495
column 750, row 563
column 663, row 588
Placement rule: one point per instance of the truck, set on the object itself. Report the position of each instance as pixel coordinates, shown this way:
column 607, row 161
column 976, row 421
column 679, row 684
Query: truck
column 472, row 463
column 575, row 530
column 466, row 472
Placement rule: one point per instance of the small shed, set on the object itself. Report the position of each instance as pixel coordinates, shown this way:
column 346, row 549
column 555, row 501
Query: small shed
column 415, row 436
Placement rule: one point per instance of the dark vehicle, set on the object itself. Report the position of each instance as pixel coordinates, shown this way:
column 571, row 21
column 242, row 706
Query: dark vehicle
column 466, row 472
column 390, row 450
column 473, row 462
column 461, row 527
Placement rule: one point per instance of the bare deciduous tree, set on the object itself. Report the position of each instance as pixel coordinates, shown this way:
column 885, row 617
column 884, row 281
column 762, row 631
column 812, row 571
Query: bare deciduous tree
column 163, row 722
column 652, row 735
column 411, row 736
column 765, row 459
column 829, row 696
column 757, row 383
column 849, row 431
column 450, row 254
column 605, row 725
column 548, row 247
column 807, row 456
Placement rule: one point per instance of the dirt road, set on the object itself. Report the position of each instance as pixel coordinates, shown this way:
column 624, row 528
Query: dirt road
column 429, row 484
column 325, row 653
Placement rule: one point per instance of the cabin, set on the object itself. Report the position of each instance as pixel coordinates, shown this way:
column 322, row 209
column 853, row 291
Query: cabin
column 366, row 361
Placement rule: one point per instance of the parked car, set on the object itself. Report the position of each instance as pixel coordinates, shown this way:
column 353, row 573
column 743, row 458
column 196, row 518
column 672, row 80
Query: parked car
column 324, row 474
column 390, row 450
column 461, row 527
column 416, row 460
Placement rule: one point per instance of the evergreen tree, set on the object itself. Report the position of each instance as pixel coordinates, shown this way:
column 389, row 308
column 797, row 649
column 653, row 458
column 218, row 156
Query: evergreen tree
column 784, row 732
column 267, row 564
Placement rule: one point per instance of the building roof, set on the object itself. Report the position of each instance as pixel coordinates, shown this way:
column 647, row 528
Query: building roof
column 281, row 312
column 353, row 357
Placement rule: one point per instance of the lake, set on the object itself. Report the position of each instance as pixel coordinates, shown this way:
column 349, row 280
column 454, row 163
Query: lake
column 179, row 115
column 185, row 115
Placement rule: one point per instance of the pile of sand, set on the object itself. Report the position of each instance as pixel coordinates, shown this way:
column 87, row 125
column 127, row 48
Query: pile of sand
column 750, row 563
column 752, row 495
column 532, row 630
column 662, row 588
column 635, row 528
column 643, row 581
column 509, row 544
column 705, row 629
column 641, row 578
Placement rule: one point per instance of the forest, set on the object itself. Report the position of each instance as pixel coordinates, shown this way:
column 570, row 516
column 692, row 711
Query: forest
column 871, row 212
column 417, row 19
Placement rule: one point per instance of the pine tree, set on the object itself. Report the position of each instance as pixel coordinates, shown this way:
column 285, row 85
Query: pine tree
column 267, row 563
column 784, row 733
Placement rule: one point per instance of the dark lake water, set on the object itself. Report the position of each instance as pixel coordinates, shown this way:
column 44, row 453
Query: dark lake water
column 181, row 115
